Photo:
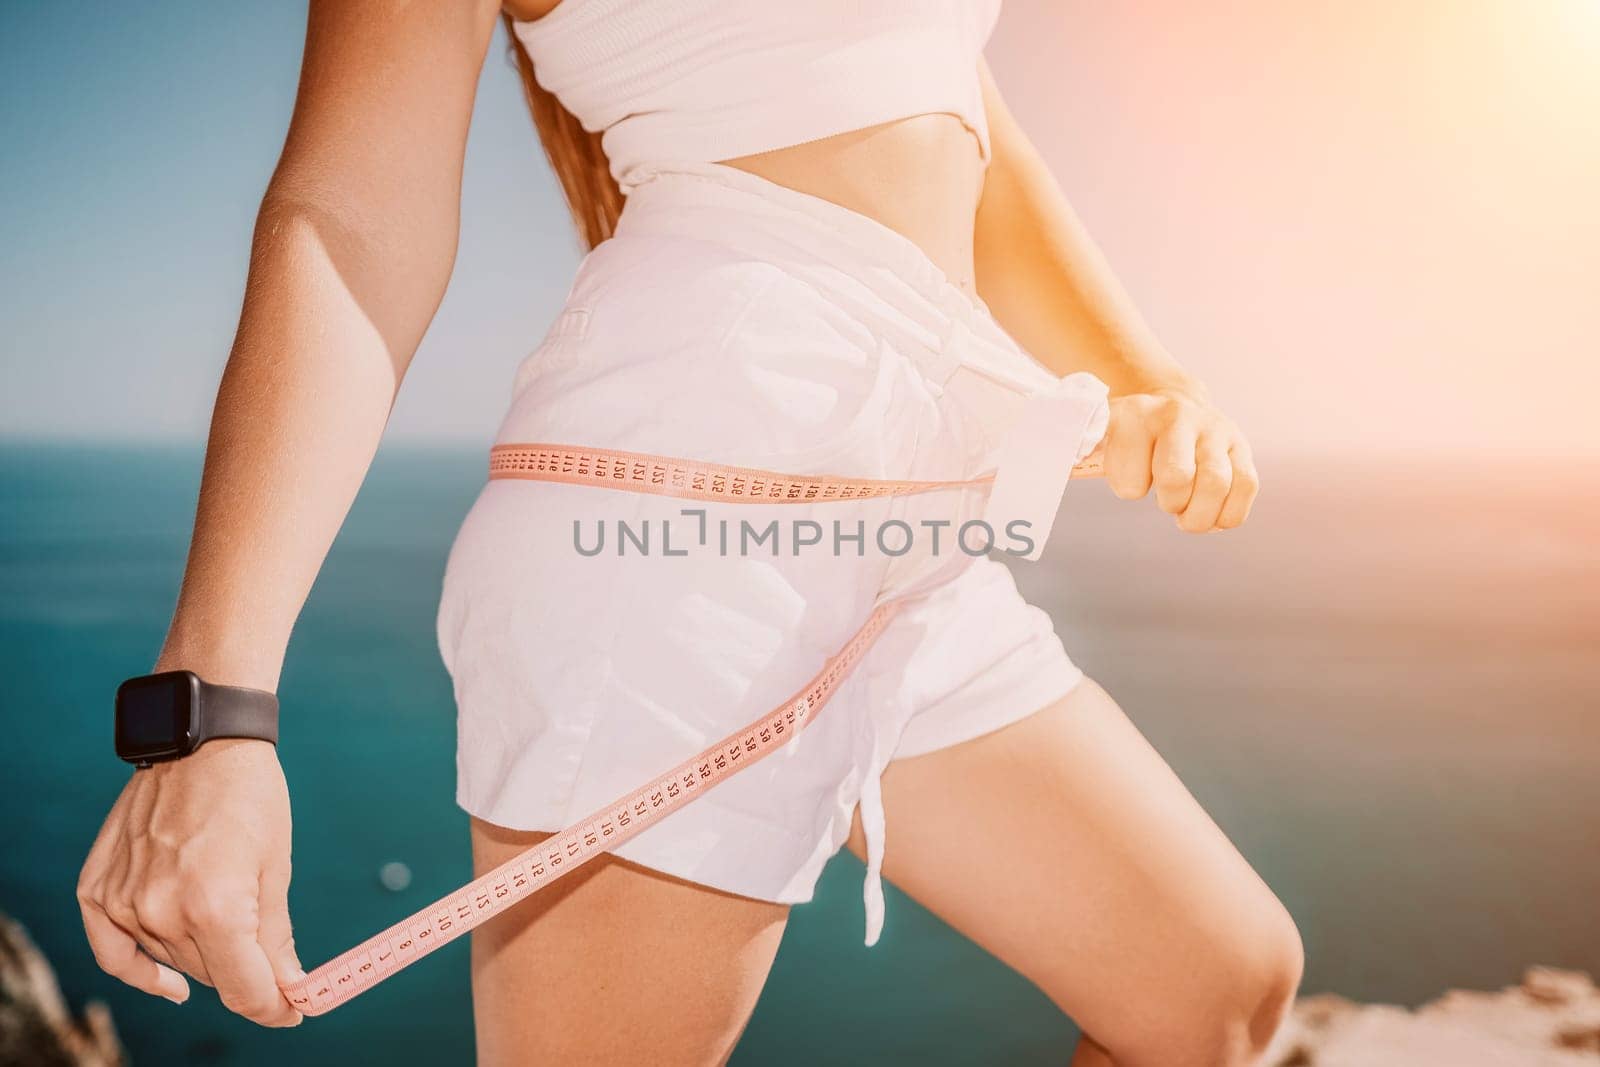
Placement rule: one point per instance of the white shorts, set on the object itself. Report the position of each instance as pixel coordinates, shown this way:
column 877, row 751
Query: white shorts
column 734, row 321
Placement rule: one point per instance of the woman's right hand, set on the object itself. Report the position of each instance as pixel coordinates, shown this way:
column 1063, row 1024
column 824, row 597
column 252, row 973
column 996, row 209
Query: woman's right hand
column 191, row 873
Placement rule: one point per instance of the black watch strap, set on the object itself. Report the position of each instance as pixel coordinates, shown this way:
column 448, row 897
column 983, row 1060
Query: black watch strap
column 233, row 711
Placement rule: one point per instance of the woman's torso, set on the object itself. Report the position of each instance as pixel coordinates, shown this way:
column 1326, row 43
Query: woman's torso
column 919, row 175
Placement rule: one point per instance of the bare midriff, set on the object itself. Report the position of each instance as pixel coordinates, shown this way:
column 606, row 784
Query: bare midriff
column 919, row 176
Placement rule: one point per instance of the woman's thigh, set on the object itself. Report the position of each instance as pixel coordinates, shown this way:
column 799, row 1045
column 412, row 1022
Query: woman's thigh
column 616, row 964
column 1092, row 871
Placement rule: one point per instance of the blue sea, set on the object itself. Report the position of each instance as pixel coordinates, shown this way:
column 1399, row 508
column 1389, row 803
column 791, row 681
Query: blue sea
column 1386, row 689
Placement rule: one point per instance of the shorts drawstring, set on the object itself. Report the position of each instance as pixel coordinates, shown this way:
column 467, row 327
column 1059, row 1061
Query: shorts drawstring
column 872, row 823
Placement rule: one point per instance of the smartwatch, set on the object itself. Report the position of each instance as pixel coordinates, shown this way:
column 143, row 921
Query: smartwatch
column 167, row 716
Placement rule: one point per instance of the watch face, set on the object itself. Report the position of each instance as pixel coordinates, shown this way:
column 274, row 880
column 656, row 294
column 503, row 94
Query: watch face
column 154, row 716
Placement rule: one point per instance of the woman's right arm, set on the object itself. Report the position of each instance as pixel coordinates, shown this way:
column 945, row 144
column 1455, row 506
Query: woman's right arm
column 354, row 245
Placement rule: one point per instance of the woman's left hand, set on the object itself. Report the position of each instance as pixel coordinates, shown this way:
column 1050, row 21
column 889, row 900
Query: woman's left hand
column 1198, row 461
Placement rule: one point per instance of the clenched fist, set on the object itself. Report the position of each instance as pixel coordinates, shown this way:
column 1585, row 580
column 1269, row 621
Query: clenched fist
column 1198, row 461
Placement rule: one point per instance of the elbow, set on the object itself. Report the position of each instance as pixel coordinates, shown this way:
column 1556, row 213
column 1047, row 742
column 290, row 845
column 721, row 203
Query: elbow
column 406, row 241
column 392, row 265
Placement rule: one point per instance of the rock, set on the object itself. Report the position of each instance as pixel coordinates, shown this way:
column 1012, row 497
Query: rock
column 36, row 1030
column 1550, row 986
column 1322, row 1010
column 1552, row 1019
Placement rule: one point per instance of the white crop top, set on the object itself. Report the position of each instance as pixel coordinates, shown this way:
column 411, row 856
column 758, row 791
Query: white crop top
column 701, row 81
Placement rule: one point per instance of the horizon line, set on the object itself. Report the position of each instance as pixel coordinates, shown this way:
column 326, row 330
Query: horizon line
column 1445, row 451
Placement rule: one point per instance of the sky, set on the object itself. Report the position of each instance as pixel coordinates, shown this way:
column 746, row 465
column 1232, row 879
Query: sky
column 1372, row 227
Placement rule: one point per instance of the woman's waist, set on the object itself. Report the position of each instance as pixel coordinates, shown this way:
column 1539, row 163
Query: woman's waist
column 920, row 177
column 725, row 288
column 715, row 229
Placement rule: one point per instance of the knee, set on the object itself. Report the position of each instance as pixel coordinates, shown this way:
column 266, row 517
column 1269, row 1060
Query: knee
column 1231, row 1002
column 1256, row 982
column 1277, row 982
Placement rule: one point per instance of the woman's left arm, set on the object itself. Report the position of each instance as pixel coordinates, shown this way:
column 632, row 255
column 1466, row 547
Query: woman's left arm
column 1051, row 289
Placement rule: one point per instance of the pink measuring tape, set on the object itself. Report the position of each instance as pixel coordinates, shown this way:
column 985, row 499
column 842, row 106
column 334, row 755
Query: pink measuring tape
column 364, row 966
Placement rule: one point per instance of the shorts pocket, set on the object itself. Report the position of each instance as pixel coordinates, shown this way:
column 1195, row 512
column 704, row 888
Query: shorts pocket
column 560, row 349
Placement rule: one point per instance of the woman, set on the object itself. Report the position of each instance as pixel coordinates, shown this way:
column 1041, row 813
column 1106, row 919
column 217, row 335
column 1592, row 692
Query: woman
column 816, row 196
